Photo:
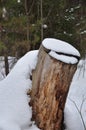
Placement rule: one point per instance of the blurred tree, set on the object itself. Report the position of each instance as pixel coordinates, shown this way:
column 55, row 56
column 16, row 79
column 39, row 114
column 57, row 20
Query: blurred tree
column 8, row 28
column 66, row 20
column 24, row 21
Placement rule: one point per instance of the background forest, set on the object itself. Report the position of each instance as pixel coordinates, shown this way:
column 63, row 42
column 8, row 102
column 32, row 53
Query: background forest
column 25, row 23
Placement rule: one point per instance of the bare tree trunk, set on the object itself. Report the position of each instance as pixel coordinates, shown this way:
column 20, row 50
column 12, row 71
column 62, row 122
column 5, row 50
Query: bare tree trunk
column 50, row 84
column 6, row 64
column 26, row 9
column 41, row 20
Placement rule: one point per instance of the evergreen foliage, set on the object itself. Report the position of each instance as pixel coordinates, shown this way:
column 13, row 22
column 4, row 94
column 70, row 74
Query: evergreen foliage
column 20, row 24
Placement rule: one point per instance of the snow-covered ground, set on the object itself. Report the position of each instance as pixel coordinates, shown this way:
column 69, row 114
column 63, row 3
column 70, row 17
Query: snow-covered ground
column 75, row 109
column 15, row 113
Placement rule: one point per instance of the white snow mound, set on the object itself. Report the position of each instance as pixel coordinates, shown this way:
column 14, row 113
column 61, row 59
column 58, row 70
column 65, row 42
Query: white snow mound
column 61, row 50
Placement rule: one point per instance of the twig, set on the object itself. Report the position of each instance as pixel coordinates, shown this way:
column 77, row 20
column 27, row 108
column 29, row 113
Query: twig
column 80, row 111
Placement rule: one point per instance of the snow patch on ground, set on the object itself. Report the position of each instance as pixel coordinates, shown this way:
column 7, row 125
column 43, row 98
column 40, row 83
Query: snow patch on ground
column 15, row 112
column 77, row 95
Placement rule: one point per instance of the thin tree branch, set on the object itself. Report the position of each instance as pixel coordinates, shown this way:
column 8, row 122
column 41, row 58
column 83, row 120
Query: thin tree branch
column 79, row 111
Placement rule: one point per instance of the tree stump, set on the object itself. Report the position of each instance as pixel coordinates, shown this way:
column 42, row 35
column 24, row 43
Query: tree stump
column 50, row 84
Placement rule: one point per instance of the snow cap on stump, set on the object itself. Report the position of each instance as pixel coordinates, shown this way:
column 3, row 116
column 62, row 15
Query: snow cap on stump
column 61, row 50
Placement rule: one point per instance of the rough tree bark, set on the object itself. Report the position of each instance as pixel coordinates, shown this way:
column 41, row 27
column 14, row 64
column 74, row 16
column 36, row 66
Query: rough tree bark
column 50, row 84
